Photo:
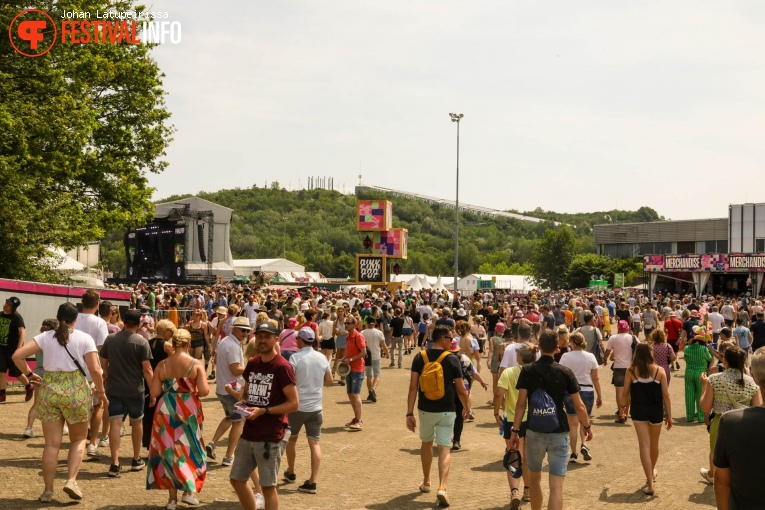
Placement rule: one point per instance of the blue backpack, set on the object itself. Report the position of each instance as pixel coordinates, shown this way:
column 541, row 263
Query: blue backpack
column 543, row 413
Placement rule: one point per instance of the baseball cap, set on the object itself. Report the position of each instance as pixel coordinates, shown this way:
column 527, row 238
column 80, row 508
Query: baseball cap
column 267, row 327
column 513, row 462
column 624, row 326
column 306, row 334
column 14, row 301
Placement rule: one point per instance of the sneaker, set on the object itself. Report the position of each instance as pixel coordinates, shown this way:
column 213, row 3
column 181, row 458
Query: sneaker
column 91, row 450
column 391, row 365
column 227, row 461
column 103, row 442
column 308, row 487
column 456, row 446
column 353, row 421
column 443, row 497
column 189, row 498
column 289, row 477
column 677, row 365
column 211, row 376
column 369, row 397
column 28, row 432
column 260, row 501
column 72, row 490
column 137, row 465
column 373, row 396
column 114, row 470
column 526, row 495
column 66, row 430
column 123, row 431
column 572, row 457
column 704, row 472
column 341, row 382
column 621, row 419
column 30, row 392
column 2, row 398
column 210, row 449
column 515, row 499
column 46, row 497
column 171, row 505
column 425, row 487
column 585, row 452
column 356, row 426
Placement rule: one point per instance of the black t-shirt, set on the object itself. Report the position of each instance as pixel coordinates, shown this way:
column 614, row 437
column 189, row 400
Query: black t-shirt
column 397, row 325
column 452, row 371
column 735, row 450
column 688, row 328
column 555, row 379
column 484, row 312
column 492, row 320
column 9, row 331
column 693, row 307
column 549, row 321
column 624, row 315
column 758, row 334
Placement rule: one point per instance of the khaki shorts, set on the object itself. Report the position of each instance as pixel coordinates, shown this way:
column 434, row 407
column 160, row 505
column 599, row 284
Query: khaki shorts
column 250, row 455
column 437, row 427
column 64, row 395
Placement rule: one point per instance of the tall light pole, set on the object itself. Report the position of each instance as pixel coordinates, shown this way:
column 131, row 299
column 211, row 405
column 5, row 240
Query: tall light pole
column 456, row 117
column 284, row 239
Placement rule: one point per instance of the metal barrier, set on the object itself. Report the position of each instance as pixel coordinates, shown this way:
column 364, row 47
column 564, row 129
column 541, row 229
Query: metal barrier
column 184, row 315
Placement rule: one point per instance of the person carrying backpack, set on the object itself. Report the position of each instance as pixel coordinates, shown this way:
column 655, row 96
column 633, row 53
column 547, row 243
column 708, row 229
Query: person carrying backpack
column 541, row 388
column 437, row 377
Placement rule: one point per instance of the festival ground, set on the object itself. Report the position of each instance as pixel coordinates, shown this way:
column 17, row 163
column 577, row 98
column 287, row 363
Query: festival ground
column 379, row 467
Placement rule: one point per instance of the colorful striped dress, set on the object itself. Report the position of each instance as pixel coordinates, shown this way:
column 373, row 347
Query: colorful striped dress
column 697, row 358
column 176, row 453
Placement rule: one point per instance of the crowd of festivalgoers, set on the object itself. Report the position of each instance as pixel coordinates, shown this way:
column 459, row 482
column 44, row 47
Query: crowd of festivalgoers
column 267, row 354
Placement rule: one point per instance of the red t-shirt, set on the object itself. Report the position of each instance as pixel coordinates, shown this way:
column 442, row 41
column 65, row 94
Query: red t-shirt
column 673, row 327
column 353, row 346
column 266, row 383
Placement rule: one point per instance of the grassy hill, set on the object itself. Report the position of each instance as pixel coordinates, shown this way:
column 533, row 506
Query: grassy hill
column 319, row 232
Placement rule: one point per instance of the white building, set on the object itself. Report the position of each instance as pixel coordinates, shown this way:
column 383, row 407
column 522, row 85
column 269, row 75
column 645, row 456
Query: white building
column 513, row 282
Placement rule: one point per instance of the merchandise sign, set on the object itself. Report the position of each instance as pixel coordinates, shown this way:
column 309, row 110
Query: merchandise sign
column 712, row 262
column 370, row 269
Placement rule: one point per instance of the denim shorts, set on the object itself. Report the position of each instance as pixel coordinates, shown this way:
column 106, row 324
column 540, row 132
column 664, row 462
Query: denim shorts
column 555, row 445
column 119, row 407
column 228, row 401
column 353, row 382
column 374, row 369
column 588, row 397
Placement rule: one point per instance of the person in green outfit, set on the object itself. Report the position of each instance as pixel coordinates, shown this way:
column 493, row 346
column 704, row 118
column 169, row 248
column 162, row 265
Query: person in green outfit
column 697, row 358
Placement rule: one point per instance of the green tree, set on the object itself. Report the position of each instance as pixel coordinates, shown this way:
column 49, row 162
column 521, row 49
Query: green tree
column 81, row 126
column 552, row 257
column 584, row 265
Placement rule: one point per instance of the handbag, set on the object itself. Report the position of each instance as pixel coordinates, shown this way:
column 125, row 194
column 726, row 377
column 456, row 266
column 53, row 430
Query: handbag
column 597, row 350
column 735, row 403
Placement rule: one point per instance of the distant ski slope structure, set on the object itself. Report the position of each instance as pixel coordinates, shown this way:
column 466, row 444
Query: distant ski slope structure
column 475, row 209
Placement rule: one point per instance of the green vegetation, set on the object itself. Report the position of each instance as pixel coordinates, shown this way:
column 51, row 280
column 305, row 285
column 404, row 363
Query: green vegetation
column 321, row 234
column 80, row 129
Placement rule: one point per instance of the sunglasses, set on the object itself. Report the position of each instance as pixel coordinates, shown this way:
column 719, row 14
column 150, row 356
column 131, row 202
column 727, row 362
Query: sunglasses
column 349, row 322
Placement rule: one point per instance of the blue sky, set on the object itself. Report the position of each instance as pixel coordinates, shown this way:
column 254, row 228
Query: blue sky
column 569, row 106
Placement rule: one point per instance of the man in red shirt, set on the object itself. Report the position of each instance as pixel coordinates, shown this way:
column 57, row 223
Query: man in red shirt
column 673, row 326
column 531, row 314
column 355, row 350
column 269, row 394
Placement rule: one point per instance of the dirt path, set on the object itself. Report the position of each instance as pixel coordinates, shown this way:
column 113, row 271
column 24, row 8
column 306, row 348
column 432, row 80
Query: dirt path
column 379, row 467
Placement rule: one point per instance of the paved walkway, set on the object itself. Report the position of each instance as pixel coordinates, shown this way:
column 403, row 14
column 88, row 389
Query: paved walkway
column 379, row 468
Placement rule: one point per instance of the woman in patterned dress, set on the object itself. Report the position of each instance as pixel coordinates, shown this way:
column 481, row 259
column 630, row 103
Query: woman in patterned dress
column 663, row 354
column 177, row 459
column 719, row 389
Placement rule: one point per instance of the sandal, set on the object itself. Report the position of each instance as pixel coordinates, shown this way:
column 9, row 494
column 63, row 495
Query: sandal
column 655, row 474
column 647, row 491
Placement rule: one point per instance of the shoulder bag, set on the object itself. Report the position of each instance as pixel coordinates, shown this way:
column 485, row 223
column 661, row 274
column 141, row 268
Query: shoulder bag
column 79, row 367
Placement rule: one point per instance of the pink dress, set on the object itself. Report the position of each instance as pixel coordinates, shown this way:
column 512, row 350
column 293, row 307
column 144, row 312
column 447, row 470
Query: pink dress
column 661, row 354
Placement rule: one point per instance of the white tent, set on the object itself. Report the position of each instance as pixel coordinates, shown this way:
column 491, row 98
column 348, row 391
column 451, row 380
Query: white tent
column 425, row 284
column 440, row 284
column 414, row 284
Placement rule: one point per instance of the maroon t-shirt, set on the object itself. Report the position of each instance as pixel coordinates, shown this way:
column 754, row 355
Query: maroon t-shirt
column 266, row 382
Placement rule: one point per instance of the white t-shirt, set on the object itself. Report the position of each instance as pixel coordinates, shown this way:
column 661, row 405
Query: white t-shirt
column 326, row 329
column 251, row 311
column 510, row 358
column 96, row 328
column 717, row 321
column 55, row 358
column 373, row 337
column 728, row 312
column 581, row 363
column 228, row 352
column 310, row 367
column 621, row 345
